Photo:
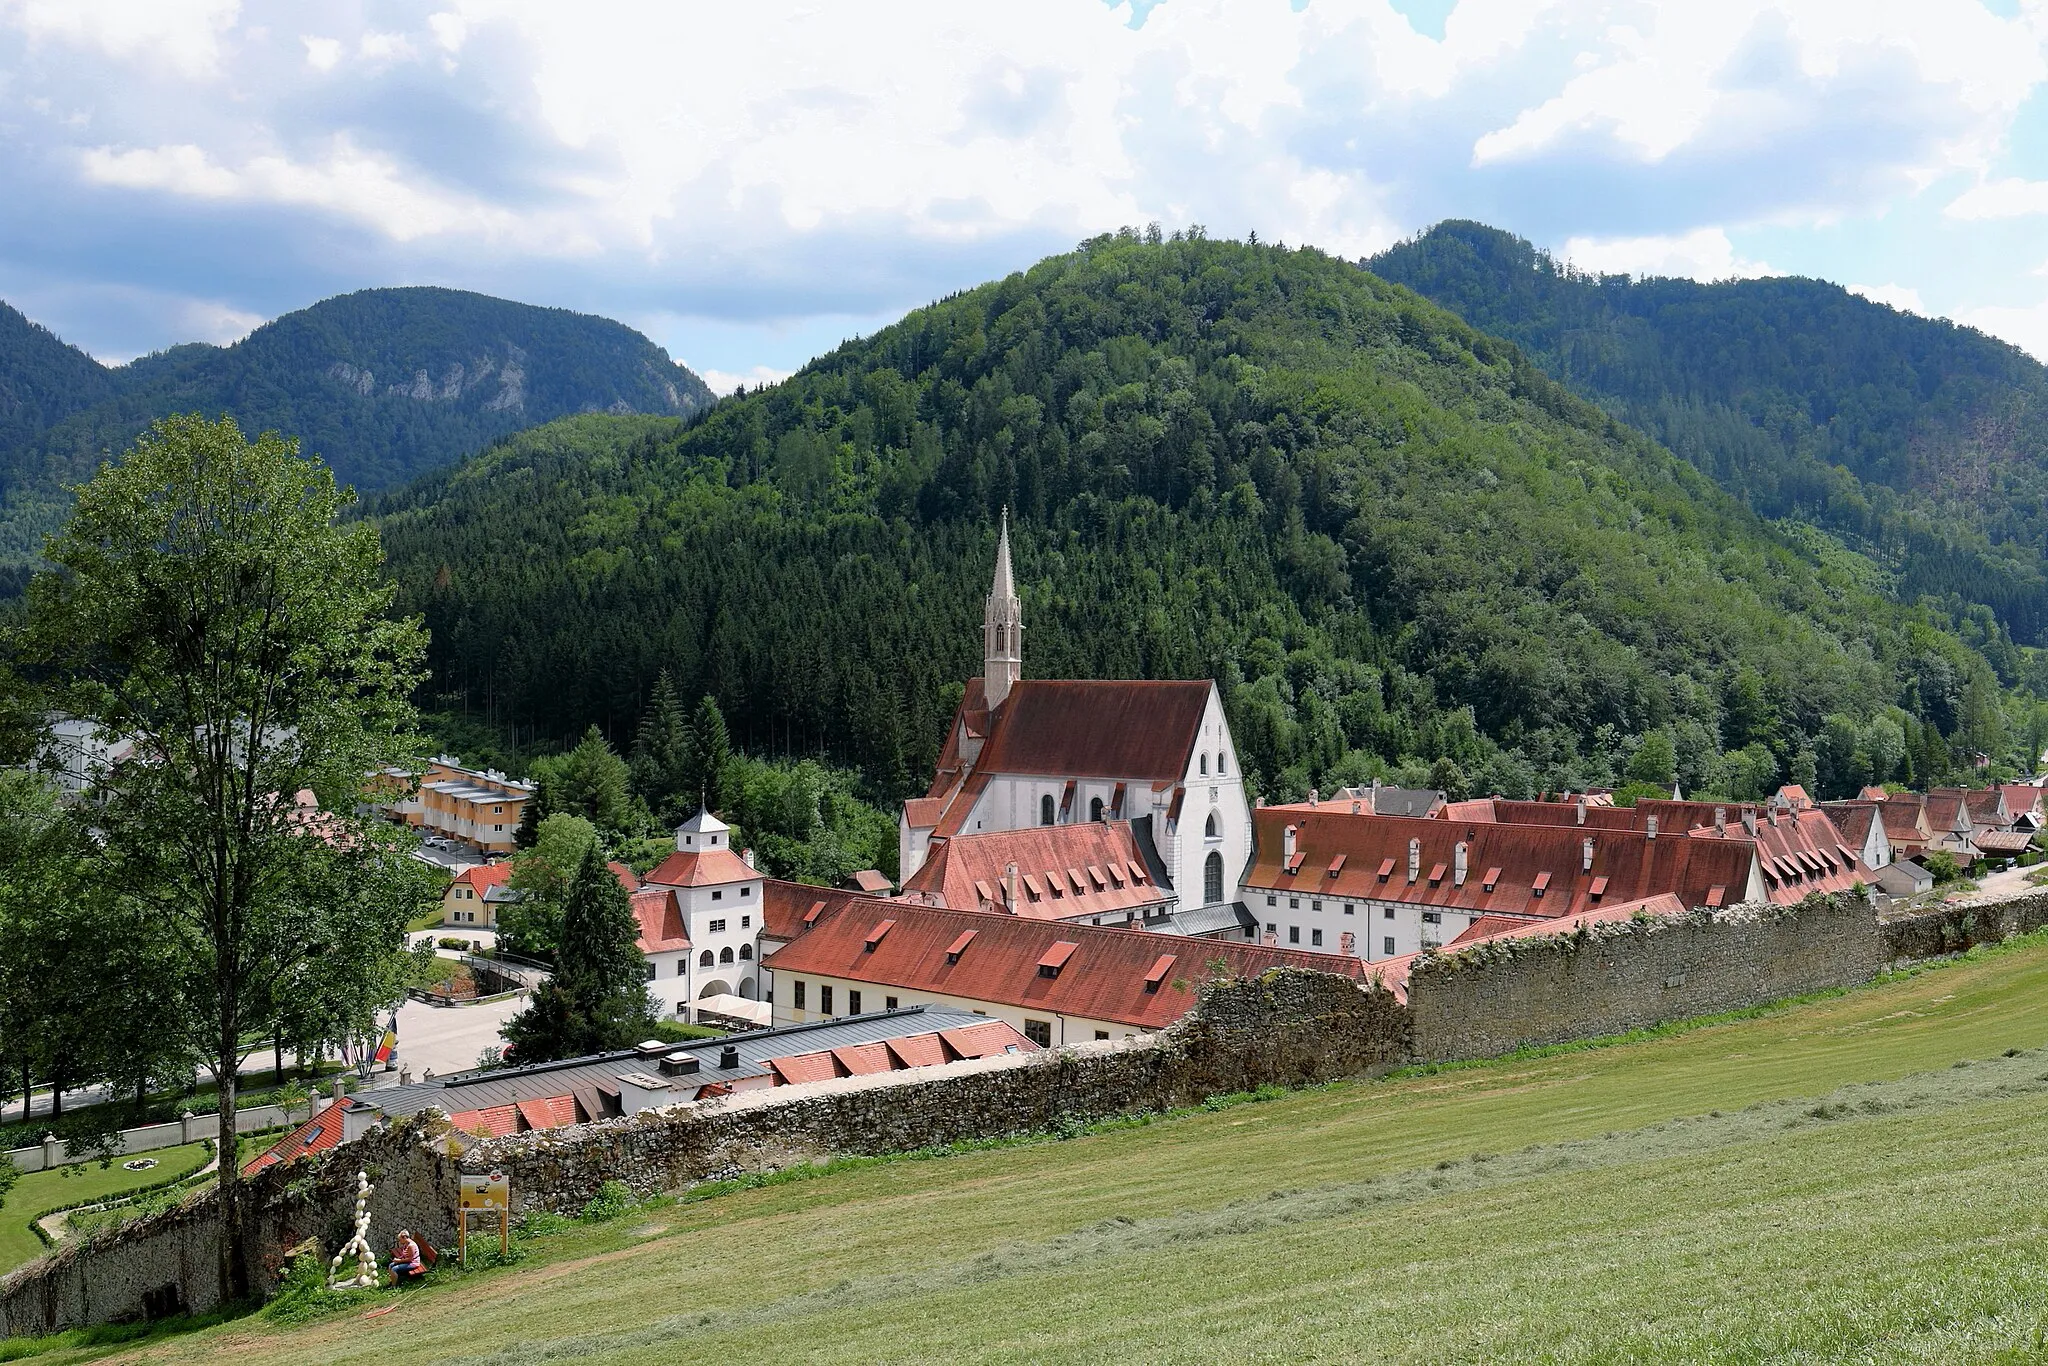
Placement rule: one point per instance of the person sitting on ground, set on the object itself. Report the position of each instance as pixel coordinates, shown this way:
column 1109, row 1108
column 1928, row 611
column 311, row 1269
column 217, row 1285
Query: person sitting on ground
column 407, row 1262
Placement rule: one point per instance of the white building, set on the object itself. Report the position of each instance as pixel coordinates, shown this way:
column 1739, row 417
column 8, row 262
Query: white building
column 1027, row 752
column 700, row 915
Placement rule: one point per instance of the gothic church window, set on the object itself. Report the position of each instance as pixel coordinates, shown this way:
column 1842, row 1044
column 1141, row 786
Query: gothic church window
column 1095, row 809
column 1209, row 827
column 1205, row 765
column 1045, row 809
column 1212, row 878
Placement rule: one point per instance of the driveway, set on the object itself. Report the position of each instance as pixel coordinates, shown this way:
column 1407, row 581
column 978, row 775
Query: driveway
column 2000, row 886
column 445, row 1039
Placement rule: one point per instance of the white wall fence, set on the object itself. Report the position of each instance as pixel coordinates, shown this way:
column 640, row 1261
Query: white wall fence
column 189, row 1128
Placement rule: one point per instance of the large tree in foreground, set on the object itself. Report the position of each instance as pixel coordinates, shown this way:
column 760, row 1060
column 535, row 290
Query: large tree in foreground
column 207, row 603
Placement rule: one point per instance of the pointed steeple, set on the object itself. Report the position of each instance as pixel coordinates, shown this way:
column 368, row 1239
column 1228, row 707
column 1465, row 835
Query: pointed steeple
column 1002, row 626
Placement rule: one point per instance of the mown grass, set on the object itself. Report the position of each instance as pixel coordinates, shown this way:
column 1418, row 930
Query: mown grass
column 39, row 1192
column 1863, row 1224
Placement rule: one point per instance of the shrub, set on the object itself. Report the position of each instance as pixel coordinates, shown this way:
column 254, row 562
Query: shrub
column 304, row 1296
column 449, row 941
column 613, row 1199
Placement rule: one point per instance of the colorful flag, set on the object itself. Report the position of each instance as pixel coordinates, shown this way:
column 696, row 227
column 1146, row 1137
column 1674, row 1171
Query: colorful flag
column 387, row 1046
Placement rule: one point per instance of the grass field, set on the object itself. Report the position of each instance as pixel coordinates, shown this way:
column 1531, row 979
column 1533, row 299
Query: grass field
column 39, row 1192
column 1820, row 1182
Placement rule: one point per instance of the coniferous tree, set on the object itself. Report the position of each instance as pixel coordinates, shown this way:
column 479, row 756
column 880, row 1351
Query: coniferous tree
column 662, row 756
column 597, row 999
column 710, row 748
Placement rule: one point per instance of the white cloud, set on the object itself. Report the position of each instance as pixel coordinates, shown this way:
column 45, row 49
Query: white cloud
column 322, row 53
column 1703, row 254
column 725, row 381
column 2007, row 198
column 362, row 185
column 184, row 34
column 1901, row 297
column 212, row 321
column 386, row 47
column 2026, row 328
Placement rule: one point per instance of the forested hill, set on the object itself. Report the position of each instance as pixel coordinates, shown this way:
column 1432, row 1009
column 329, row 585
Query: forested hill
column 1391, row 539
column 384, row 384
column 1923, row 443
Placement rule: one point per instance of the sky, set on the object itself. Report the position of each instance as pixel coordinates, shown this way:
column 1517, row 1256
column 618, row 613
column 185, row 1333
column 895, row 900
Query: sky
column 750, row 184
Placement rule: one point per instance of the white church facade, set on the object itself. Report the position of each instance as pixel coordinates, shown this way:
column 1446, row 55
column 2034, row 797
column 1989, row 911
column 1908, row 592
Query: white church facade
column 1158, row 755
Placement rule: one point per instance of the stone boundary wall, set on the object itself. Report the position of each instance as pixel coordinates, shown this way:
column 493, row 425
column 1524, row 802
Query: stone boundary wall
column 1288, row 1027
column 1493, row 998
column 1951, row 929
column 169, row 1262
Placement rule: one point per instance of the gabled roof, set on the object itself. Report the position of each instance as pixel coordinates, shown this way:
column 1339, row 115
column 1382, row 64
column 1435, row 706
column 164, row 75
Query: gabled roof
column 873, row 881
column 1063, row 871
column 484, row 876
column 1802, row 852
column 784, row 905
column 1103, row 977
column 710, row 868
column 627, row 878
column 1077, row 728
column 1393, row 973
column 663, row 928
column 316, row 1135
column 1510, row 869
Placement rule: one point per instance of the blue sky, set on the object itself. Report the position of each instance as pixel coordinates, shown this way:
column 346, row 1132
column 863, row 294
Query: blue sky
column 751, row 184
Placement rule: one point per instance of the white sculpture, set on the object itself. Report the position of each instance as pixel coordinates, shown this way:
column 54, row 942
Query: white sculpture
column 366, row 1276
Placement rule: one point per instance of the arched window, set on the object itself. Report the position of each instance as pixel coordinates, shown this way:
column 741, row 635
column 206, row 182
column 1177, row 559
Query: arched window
column 705, row 960
column 1045, row 809
column 725, row 955
column 1221, row 767
column 1209, row 827
column 1212, row 878
column 1095, row 809
column 746, row 953
column 1205, row 765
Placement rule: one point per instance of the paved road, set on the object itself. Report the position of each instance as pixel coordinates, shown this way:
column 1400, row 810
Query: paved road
column 448, row 1038
column 2001, row 886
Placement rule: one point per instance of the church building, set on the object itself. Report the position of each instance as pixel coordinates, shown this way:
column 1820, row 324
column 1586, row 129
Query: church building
column 1154, row 756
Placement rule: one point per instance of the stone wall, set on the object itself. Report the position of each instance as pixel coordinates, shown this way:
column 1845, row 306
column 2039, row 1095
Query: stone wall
column 1951, row 929
column 1288, row 1027
column 1609, row 978
column 170, row 1262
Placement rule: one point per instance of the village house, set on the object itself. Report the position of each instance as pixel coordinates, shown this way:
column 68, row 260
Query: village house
column 477, row 808
column 700, row 915
column 1055, row 982
column 1335, row 880
column 473, row 896
column 1023, row 753
column 553, row 1095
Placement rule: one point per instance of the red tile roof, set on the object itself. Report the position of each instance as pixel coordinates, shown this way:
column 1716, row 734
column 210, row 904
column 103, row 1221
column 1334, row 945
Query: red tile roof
column 1803, row 852
column 1103, row 979
column 316, row 1135
column 919, row 1050
column 627, row 878
column 803, row 1067
column 895, row 1055
column 1047, row 858
column 485, row 876
column 550, row 1112
column 1527, row 857
column 494, row 1121
column 1087, row 728
column 985, row 1040
column 706, row 868
column 785, row 904
column 872, row 881
column 662, row 927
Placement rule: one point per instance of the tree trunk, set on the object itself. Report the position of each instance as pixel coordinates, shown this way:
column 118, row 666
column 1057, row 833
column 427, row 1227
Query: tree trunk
column 234, row 1270
column 28, row 1090
column 56, row 1097
column 277, row 1056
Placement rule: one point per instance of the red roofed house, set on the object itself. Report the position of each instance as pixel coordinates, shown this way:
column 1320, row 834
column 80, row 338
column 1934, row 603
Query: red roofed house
column 1056, row 983
column 1333, row 881
column 1093, row 872
column 472, row 899
column 1026, row 752
column 700, row 914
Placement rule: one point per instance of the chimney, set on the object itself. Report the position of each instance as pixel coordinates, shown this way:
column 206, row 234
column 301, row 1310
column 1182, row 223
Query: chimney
column 1581, row 811
column 1356, row 804
column 1586, row 855
column 1287, row 844
column 1458, row 864
column 729, row 1057
column 1650, row 827
column 1314, row 797
column 1771, row 815
column 1010, row 886
column 1720, row 820
column 1749, row 821
column 1414, row 859
column 747, row 857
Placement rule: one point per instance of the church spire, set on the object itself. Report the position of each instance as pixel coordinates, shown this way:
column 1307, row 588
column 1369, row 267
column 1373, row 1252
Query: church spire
column 1002, row 626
